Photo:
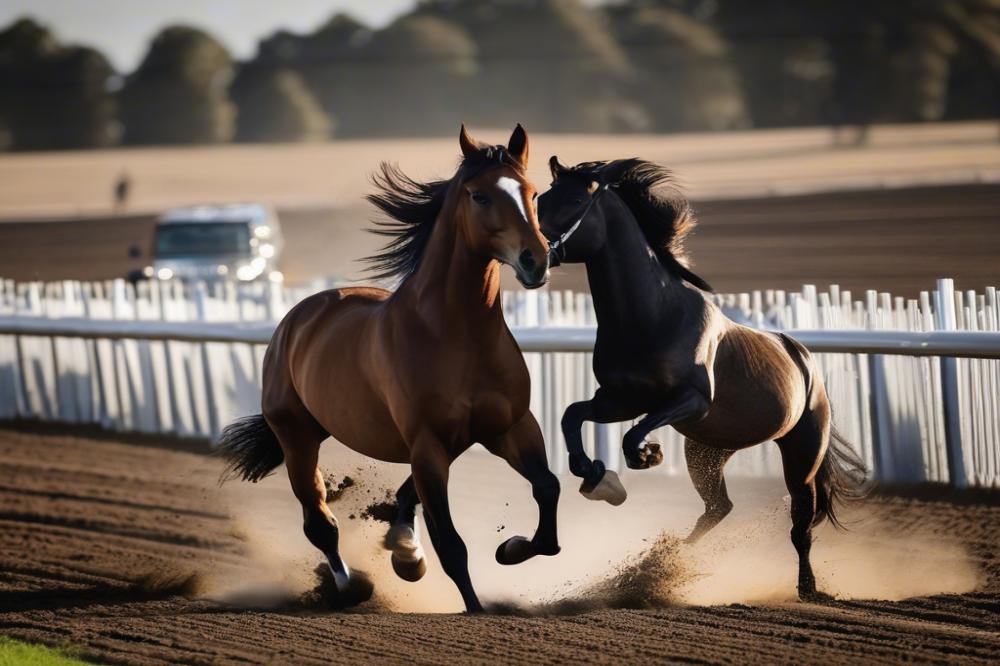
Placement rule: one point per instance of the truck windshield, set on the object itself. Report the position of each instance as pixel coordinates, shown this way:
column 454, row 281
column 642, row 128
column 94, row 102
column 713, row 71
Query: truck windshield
column 188, row 239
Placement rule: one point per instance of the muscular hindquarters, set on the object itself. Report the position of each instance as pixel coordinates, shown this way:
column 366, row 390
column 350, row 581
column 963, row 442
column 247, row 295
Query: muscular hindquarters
column 759, row 392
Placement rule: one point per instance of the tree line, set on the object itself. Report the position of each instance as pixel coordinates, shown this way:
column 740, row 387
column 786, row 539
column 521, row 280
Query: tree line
column 553, row 65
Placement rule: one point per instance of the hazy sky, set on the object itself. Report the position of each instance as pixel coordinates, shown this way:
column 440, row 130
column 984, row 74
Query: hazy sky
column 121, row 29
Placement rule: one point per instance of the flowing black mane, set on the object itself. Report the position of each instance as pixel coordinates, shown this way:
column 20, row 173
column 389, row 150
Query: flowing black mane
column 665, row 216
column 412, row 207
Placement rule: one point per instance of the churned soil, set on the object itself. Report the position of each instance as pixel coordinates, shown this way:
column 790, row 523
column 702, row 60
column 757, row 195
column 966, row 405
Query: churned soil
column 129, row 550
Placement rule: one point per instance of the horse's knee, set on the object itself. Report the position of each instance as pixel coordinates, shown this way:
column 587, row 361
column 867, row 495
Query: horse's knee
column 546, row 489
column 574, row 416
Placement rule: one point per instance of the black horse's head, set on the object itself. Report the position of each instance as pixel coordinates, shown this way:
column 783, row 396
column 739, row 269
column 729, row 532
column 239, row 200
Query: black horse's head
column 569, row 215
column 588, row 201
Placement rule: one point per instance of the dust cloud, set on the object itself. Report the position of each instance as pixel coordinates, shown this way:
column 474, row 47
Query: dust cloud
column 612, row 557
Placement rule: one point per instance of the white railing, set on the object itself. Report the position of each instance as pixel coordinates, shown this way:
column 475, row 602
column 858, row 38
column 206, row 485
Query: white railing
column 163, row 357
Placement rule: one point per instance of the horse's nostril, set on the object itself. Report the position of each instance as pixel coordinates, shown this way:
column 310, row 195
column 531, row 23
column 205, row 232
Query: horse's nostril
column 527, row 260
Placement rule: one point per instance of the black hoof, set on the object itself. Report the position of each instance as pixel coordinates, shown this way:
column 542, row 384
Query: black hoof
column 515, row 550
column 411, row 571
column 518, row 549
column 650, row 455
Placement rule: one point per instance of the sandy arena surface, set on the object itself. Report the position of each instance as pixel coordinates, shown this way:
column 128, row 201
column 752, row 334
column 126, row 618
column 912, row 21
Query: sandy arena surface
column 777, row 208
column 131, row 551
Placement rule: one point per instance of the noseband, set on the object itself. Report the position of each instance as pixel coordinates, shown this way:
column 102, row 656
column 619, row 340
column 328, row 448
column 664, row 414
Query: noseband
column 557, row 248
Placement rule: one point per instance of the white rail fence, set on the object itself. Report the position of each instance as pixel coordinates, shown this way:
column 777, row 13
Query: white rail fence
column 913, row 381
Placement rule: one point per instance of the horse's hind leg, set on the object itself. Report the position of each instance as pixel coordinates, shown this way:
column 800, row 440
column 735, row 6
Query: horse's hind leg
column 705, row 464
column 523, row 447
column 320, row 527
column 801, row 451
column 408, row 559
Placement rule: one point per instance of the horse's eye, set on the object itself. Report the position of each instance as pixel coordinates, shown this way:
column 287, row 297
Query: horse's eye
column 577, row 201
column 480, row 198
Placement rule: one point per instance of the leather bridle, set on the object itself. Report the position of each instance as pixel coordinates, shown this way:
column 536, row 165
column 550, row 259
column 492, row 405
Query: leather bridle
column 557, row 248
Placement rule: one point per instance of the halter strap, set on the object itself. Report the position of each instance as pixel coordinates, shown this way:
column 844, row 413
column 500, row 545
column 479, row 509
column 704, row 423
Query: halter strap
column 556, row 247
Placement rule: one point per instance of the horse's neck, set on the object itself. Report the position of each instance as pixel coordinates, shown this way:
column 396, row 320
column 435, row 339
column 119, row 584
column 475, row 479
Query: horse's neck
column 632, row 290
column 453, row 286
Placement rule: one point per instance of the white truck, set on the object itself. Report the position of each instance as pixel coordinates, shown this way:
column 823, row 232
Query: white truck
column 216, row 242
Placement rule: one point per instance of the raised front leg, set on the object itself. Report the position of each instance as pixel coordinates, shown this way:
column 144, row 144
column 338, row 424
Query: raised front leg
column 523, row 447
column 598, row 482
column 408, row 560
column 639, row 454
column 429, row 464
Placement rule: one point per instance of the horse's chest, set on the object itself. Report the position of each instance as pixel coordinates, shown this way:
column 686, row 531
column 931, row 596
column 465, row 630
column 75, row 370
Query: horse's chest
column 476, row 406
column 633, row 372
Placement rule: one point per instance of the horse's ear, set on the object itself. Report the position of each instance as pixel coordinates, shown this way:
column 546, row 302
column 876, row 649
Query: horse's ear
column 556, row 168
column 469, row 145
column 518, row 145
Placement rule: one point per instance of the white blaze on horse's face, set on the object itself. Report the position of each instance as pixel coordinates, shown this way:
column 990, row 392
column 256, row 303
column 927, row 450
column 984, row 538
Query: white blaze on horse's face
column 512, row 187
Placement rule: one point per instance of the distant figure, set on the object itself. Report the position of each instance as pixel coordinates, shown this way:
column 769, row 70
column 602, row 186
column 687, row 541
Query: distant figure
column 122, row 187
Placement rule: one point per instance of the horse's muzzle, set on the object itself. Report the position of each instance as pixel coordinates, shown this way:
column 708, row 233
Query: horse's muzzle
column 533, row 282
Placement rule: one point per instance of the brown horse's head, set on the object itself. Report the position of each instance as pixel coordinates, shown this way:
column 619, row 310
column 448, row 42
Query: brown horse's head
column 496, row 207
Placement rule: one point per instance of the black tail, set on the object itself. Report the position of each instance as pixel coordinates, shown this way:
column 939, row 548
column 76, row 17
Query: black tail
column 250, row 448
column 839, row 481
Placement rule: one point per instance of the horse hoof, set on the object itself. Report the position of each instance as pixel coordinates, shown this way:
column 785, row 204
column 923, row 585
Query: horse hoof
column 515, row 550
column 518, row 549
column 650, row 455
column 400, row 536
column 408, row 559
column 341, row 574
column 409, row 570
column 609, row 489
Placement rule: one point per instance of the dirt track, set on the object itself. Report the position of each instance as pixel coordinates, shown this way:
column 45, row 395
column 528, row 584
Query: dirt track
column 86, row 521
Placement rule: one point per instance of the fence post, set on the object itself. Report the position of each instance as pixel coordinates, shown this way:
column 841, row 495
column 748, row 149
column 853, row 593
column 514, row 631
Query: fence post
column 878, row 399
column 946, row 321
column 201, row 310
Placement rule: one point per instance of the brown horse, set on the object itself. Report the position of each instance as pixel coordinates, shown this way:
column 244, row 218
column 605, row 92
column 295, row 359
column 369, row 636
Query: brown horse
column 419, row 375
column 667, row 354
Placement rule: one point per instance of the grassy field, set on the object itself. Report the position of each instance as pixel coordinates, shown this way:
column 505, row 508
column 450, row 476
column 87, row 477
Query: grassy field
column 16, row 653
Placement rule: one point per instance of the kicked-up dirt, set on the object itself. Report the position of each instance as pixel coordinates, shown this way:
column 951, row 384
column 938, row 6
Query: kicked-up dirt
column 131, row 551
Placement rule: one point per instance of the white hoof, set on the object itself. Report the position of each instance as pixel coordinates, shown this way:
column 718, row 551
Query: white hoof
column 408, row 558
column 609, row 489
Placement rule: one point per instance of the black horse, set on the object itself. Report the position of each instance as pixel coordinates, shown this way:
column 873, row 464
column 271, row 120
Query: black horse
column 666, row 352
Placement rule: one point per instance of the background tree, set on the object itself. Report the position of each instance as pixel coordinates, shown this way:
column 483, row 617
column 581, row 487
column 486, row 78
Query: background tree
column 684, row 76
column 328, row 60
column 413, row 77
column 274, row 104
column 53, row 96
column 552, row 65
column 179, row 94
column 782, row 58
